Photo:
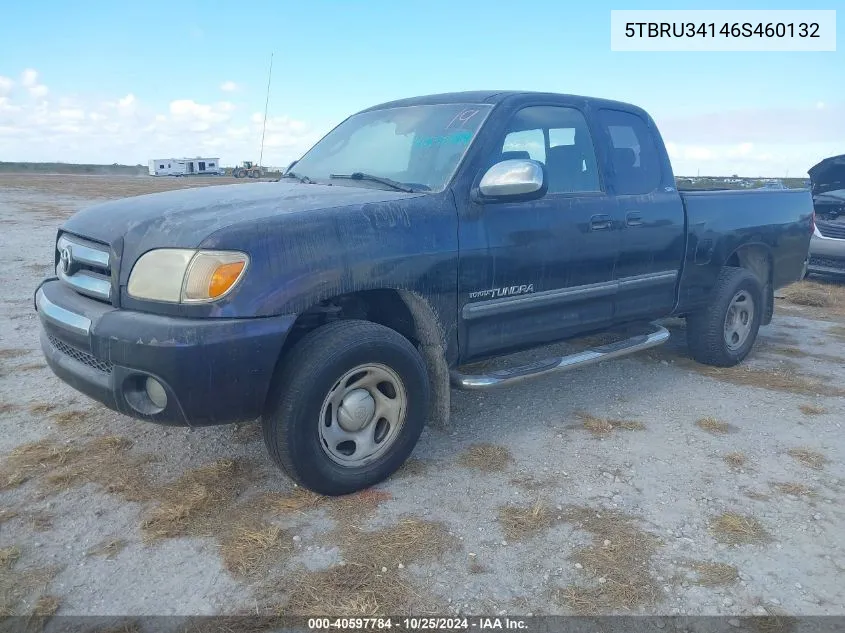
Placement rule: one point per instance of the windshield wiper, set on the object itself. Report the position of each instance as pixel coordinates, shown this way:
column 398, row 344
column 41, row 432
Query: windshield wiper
column 358, row 175
column 299, row 177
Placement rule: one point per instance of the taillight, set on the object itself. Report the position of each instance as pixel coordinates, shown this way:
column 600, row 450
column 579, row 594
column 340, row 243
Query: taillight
column 813, row 222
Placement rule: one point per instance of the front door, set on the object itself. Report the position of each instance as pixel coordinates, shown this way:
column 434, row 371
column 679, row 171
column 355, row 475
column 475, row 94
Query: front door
column 532, row 272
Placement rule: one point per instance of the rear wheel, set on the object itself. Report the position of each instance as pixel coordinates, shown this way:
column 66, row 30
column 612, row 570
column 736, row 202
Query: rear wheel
column 350, row 407
column 724, row 332
column 240, row 173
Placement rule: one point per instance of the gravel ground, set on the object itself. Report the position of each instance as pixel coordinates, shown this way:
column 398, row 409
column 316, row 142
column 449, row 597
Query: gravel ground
column 643, row 485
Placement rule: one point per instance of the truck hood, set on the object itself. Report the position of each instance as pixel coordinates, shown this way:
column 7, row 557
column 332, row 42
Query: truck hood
column 828, row 175
column 184, row 218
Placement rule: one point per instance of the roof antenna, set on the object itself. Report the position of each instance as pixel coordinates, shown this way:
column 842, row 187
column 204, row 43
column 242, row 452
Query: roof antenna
column 264, row 126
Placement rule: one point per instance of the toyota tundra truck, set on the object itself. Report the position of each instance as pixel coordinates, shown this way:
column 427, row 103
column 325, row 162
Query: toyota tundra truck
column 341, row 303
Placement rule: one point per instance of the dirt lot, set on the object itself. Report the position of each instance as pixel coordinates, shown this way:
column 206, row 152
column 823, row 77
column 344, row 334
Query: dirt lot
column 644, row 485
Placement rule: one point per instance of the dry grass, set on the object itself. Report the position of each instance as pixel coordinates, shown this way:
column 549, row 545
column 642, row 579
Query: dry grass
column 617, row 561
column 46, row 606
column 409, row 540
column 8, row 407
column 520, row 523
column 105, row 462
column 714, row 426
column 9, row 556
column 361, row 590
column 299, row 500
column 837, row 332
column 252, row 546
column 41, row 408
column 735, row 459
column 108, row 548
column 737, row 529
column 812, row 409
column 17, row 584
column 31, row 367
column 194, row 504
column 41, row 521
column 792, row 352
column 477, row 568
column 715, row 574
column 372, row 581
column 70, row 418
column 808, row 457
column 792, row 488
column 603, row 426
column 757, row 496
column 810, row 293
column 787, row 377
column 487, row 458
column 530, row 483
column 7, row 515
column 33, row 459
column 6, row 353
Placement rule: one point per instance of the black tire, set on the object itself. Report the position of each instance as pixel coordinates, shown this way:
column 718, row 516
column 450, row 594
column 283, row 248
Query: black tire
column 706, row 331
column 313, row 369
column 239, row 173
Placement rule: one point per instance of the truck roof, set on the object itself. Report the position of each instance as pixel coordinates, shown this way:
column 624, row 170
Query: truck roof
column 494, row 97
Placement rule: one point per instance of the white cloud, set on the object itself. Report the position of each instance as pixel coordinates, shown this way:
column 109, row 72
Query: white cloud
column 6, row 85
column 228, row 86
column 125, row 129
column 29, row 80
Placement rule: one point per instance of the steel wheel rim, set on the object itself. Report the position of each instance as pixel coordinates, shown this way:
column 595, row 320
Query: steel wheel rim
column 362, row 415
column 738, row 320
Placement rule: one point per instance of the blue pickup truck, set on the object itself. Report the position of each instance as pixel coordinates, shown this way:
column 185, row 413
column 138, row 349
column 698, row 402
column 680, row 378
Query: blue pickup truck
column 342, row 303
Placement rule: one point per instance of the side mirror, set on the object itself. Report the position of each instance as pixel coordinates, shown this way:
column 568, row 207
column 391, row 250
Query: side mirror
column 516, row 178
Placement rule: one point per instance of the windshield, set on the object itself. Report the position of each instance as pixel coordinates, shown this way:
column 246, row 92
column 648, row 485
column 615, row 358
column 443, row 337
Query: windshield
column 417, row 146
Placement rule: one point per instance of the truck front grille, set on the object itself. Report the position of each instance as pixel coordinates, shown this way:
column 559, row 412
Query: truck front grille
column 83, row 357
column 85, row 266
column 831, row 229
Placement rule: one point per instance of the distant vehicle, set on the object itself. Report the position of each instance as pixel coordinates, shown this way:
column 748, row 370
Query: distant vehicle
column 827, row 247
column 248, row 169
column 415, row 239
column 773, row 184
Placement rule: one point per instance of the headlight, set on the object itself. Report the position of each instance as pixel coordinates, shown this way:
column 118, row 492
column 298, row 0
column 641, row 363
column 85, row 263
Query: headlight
column 181, row 275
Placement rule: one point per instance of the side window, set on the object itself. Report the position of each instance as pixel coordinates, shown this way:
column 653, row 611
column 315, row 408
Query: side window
column 530, row 142
column 558, row 137
column 636, row 163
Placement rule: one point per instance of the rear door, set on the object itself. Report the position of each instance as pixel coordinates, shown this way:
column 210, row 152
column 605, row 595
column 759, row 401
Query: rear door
column 537, row 271
column 651, row 214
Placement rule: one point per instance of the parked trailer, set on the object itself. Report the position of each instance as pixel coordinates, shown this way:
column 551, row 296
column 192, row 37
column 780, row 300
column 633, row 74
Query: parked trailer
column 185, row 166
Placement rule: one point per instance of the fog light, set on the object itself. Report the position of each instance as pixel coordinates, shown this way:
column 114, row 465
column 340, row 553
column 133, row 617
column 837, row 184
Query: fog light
column 156, row 393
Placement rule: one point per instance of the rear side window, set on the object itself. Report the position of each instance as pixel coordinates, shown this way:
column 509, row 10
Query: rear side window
column 636, row 164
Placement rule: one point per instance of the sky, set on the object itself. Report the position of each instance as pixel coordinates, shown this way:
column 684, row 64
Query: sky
column 118, row 82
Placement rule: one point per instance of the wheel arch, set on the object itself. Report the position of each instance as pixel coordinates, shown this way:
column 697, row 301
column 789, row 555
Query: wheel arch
column 404, row 311
column 756, row 257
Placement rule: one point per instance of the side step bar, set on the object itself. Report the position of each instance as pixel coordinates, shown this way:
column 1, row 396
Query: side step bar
column 591, row 356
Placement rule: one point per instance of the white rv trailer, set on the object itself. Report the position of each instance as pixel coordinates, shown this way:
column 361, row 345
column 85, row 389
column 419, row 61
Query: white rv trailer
column 184, row 166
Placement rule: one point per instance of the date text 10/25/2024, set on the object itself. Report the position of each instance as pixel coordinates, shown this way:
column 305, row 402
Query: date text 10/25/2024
column 419, row 624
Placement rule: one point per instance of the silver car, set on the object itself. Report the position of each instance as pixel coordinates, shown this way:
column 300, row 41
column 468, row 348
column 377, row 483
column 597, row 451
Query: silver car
column 827, row 247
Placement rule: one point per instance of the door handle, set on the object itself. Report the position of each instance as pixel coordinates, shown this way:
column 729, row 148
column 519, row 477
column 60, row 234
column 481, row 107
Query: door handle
column 600, row 222
column 633, row 218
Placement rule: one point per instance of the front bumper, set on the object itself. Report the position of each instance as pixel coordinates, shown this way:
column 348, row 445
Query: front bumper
column 827, row 255
column 213, row 371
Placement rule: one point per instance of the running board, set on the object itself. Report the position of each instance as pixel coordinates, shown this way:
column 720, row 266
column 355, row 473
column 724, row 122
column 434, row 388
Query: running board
column 503, row 377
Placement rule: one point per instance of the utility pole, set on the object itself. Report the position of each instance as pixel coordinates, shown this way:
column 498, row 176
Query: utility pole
column 264, row 126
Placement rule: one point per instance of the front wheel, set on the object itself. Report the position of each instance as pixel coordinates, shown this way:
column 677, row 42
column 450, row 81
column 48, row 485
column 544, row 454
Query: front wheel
column 351, row 404
column 723, row 333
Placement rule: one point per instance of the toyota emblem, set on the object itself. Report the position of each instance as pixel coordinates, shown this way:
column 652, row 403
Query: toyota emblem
column 65, row 259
